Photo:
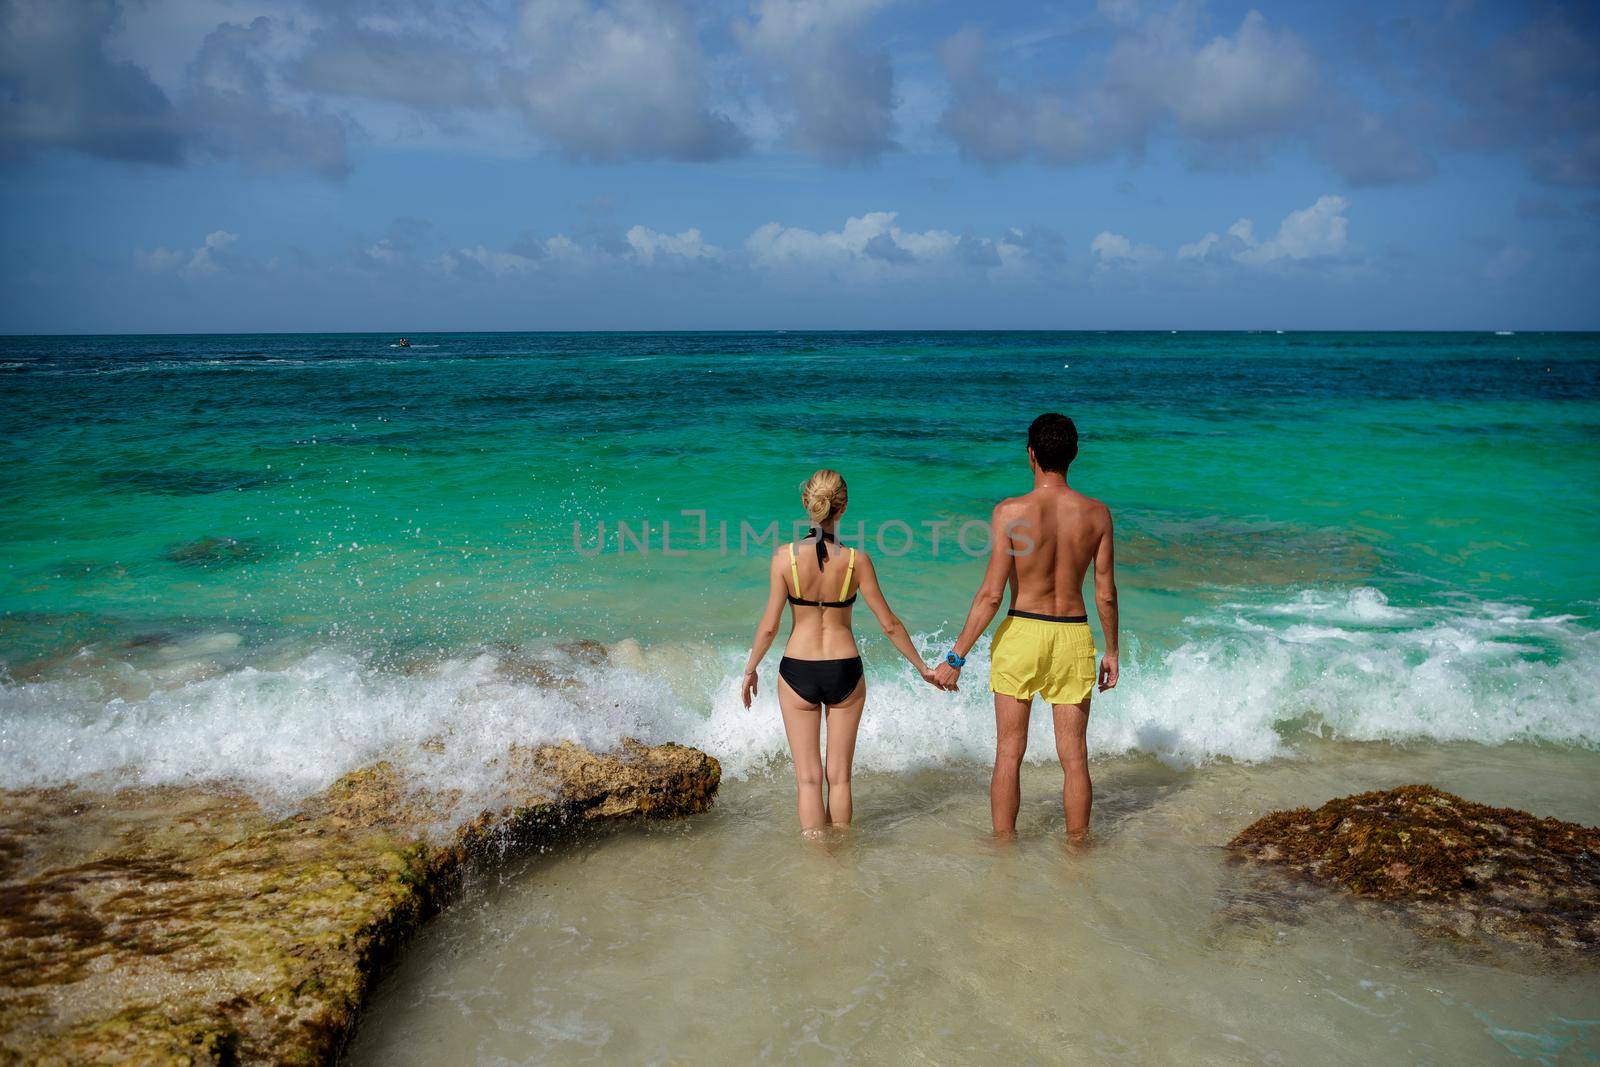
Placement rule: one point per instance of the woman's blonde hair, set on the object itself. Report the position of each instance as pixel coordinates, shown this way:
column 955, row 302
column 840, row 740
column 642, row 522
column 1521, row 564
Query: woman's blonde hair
column 824, row 495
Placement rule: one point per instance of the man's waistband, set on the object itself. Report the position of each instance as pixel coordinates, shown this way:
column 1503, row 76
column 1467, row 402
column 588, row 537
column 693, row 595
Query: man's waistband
column 1014, row 613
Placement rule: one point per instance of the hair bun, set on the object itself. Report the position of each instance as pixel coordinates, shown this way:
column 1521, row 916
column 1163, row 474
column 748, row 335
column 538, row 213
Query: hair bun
column 824, row 495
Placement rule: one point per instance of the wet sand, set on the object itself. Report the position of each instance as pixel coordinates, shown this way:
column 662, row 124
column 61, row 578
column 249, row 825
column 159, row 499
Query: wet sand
column 917, row 938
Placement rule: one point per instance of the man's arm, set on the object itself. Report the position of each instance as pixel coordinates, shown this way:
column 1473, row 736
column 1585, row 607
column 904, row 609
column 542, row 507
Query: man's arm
column 1105, row 604
column 986, row 602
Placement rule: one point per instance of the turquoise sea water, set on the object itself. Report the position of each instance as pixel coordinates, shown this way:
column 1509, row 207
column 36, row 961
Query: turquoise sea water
column 279, row 556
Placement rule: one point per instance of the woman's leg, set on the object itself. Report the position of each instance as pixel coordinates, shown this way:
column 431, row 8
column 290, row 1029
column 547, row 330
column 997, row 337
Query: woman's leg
column 843, row 720
column 803, row 723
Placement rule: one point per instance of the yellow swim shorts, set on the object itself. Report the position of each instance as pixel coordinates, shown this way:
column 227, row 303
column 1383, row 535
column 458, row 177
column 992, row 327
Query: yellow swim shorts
column 1047, row 655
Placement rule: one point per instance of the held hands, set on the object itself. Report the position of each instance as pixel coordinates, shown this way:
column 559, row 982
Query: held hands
column 747, row 688
column 1108, row 672
column 944, row 677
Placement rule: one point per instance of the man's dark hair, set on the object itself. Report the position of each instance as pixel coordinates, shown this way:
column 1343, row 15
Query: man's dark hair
column 1054, row 440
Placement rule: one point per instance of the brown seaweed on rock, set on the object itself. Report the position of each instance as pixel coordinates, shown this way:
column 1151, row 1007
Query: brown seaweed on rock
column 187, row 925
column 1448, row 865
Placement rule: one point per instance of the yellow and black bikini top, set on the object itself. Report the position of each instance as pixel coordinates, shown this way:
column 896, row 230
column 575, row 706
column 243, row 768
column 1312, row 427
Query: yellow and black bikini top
column 822, row 537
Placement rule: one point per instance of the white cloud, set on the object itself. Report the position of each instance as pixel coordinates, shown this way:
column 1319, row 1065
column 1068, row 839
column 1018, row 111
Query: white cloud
column 1230, row 91
column 199, row 262
column 641, row 245
column 647, row 244
column 564, row 249
column 1213, row 244
column 1113, row 248
column 487, row 260
column 386, row 252
column 1199, row 249
column 161, row 260
column 1260, row 80
column 870, row 247
column 561, row 252
column 871, row 244
column 618, row 81
column 836, row 93
column 1316, row 232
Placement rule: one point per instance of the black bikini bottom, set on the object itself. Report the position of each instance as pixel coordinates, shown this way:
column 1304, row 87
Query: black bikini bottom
column 821, row 681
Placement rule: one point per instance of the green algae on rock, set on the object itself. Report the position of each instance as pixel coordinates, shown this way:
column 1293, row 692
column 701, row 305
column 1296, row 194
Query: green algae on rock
column 1454, row 867
column 187, row 925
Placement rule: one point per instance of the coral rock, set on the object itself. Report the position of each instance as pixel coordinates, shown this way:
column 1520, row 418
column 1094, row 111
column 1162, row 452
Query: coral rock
column 187, row 925
column 1449, row 865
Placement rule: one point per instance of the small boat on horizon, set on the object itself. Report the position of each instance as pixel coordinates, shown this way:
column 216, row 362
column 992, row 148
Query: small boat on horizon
column 404, row 342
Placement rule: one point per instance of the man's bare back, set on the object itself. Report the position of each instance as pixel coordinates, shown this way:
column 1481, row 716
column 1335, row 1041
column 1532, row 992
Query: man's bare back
column 1055, row 533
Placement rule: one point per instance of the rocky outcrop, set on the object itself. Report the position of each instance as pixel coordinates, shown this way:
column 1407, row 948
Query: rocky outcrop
column 1448, row 865
column 187, row 925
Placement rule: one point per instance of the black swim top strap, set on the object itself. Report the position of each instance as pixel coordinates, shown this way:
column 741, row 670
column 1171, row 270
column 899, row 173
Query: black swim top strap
column 823, row 537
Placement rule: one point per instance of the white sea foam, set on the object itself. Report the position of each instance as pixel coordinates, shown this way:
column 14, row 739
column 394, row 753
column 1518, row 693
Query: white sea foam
column 288, row 730
column 1360, row 605
column 1250, row 683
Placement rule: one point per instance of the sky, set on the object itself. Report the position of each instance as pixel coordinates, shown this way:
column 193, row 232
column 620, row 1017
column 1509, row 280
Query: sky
column 403, row 166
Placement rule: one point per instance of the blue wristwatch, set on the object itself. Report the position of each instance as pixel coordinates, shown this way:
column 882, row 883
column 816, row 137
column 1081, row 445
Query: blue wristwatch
column 954, row 660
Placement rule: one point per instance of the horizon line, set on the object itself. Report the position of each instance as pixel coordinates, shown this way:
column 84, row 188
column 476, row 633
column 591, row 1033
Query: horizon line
column 811, row 330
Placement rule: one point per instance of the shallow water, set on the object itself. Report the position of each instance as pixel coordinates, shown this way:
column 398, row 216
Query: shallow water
column 277, row 558
column 917, row 938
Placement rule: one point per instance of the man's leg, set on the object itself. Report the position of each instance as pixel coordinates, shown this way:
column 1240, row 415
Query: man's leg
column 1010, row 744
column 1077, row 792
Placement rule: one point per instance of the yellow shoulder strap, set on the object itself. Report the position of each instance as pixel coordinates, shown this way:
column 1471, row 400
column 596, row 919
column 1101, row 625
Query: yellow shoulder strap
column 848, row 574
column 794, row 569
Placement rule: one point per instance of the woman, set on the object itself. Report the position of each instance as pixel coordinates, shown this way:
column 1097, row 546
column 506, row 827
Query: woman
column 821, row 667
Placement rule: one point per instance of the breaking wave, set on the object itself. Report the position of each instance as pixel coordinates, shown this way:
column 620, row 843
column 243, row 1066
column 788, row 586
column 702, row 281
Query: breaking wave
column 1251, row 682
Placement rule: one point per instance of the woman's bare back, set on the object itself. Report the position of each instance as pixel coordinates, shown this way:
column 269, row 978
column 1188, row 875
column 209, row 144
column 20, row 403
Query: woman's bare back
column 820, row 632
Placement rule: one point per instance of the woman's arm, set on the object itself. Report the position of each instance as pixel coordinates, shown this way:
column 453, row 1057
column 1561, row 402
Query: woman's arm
column 766, row 629
column 893, row 628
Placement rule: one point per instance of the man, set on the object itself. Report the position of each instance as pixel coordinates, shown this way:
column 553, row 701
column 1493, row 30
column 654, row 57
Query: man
column 1041, row 544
